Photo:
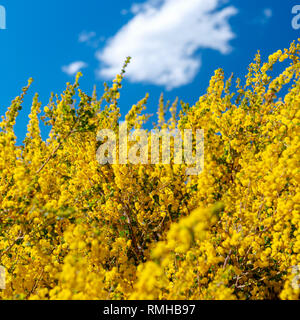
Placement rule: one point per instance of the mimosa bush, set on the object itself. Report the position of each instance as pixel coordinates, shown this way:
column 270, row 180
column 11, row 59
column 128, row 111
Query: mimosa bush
column 71, row 228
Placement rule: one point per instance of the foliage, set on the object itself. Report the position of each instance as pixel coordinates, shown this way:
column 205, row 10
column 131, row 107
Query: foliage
column 71, row 228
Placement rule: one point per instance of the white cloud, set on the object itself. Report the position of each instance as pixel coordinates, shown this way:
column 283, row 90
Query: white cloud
column 86, row 36
column 163, row 38
column 90, row 39
column 143, row 6
column 74, row 67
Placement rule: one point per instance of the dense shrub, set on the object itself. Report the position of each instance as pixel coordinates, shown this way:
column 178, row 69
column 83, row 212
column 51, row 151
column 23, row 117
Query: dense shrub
column 71, row 228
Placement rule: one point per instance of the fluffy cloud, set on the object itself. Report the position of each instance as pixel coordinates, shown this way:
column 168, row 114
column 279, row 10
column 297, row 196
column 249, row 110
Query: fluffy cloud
column 74, row 67
column 163, row 38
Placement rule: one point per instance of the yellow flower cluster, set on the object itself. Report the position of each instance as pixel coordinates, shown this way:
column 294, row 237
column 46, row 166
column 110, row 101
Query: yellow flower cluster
column 71, row 228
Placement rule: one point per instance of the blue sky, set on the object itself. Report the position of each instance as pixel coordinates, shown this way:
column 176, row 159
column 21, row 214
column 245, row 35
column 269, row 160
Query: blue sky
column 175, row 45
